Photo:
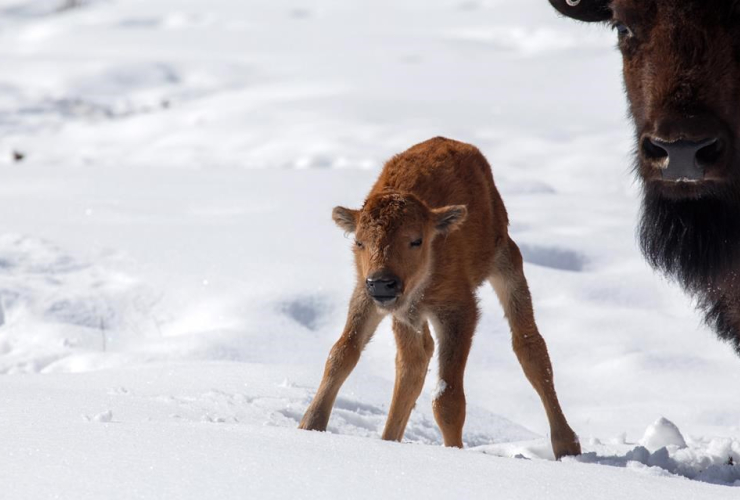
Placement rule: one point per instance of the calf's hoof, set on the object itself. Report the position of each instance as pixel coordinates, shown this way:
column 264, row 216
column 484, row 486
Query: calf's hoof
column 313, row 422
column 566, row 446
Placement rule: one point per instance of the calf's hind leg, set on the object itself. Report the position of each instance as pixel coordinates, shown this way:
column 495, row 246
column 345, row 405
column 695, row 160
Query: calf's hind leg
column 511, row 287
column 362, row 320
column 415, row 349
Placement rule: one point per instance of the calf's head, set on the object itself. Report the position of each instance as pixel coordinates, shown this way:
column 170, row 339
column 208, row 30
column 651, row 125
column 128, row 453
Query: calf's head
column 393, row 244
column 681, row 64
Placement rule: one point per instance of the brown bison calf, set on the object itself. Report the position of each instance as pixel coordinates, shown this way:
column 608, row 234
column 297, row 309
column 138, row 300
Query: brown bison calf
column 431, row 231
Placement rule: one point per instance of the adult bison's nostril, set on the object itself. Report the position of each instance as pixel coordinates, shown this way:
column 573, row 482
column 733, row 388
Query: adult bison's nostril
column 711, row 153
column 653, row 151
column 682, row 160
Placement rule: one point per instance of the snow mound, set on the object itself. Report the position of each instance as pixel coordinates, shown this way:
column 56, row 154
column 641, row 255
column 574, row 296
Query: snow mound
column 663, row 433
column 715, row 461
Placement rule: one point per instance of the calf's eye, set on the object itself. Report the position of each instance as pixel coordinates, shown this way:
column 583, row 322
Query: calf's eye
column 358, row 244
column 416, row 243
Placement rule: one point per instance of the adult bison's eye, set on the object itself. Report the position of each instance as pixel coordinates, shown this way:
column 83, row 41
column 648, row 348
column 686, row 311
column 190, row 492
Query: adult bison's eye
column 622, row 29
column 416, row 243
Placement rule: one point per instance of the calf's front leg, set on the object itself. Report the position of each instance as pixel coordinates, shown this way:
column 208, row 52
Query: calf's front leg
column 415, row 349
column 454, row 326
column 362, row 321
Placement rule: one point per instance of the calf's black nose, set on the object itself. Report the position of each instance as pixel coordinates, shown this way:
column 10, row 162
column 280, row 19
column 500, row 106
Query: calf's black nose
column 383, row 286
column 683, row 160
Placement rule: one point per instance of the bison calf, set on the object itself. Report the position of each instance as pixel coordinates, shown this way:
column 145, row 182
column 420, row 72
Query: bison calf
column 431, row 231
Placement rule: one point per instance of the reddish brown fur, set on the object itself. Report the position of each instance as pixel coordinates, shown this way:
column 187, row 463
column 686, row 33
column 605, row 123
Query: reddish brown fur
column 442, row 193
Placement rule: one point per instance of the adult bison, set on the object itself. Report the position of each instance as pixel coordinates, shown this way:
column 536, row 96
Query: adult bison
column 682, row 78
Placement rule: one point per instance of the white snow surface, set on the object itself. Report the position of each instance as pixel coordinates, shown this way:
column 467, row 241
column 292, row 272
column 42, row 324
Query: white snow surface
column 171, row 280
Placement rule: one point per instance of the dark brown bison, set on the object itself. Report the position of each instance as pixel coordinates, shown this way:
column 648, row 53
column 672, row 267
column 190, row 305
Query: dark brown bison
column 431, row 231
column 682, row 77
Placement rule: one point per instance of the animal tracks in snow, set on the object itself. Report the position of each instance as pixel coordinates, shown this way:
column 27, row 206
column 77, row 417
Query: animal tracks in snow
column 283, row 404
column 54, row 305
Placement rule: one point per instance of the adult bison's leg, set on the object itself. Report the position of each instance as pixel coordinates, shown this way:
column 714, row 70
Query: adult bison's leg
column 415, row 349
column 454, row 326
column 511, row 287
column 362, row 320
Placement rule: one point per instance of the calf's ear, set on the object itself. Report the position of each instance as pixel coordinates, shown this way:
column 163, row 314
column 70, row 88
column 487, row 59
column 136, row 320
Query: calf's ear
column 584, row 10
column 345, row 218
column 449, row 218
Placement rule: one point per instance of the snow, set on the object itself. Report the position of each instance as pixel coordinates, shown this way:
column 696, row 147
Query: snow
column 662, row 433
column 439, row 390
column 175, row 435
column 171, row 280
column 105, row 416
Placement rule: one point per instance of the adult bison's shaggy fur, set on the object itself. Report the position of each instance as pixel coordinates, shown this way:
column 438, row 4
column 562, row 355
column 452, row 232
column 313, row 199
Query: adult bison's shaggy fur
column 431, row 231
column 682, row 77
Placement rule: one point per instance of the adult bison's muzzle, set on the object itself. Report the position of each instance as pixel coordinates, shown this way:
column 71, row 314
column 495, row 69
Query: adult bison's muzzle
column 682, row 161
column 685, row 152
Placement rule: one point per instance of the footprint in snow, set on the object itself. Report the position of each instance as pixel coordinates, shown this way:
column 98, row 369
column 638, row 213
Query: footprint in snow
column 308, row 311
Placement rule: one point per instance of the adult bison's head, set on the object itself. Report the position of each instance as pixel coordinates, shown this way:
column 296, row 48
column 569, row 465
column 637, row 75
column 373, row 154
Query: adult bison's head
column 682, row 78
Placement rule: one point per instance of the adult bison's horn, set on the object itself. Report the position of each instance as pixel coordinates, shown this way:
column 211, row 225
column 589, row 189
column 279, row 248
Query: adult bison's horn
column 584, row 10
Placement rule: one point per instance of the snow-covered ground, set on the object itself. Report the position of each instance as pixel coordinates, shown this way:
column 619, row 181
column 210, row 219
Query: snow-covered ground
column 171, row 280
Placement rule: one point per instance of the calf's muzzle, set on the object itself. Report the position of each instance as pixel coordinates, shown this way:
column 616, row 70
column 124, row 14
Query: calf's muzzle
column 383, row 287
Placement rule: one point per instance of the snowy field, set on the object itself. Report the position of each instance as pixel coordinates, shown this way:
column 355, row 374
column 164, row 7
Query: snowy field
column 171, row 280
